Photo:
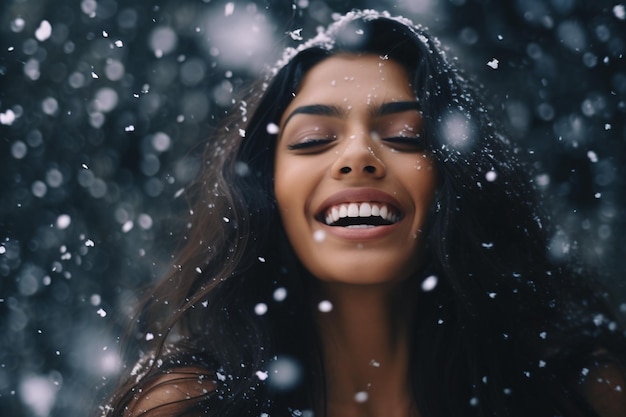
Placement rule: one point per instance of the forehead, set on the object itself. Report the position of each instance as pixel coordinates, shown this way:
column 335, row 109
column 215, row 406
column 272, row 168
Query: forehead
column 349, row 78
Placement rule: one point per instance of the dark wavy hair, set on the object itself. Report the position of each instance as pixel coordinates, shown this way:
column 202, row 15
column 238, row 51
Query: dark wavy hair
column 506, row 332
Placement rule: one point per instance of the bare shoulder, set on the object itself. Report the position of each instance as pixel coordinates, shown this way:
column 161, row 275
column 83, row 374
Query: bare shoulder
column 605, row 390
column 171, row 393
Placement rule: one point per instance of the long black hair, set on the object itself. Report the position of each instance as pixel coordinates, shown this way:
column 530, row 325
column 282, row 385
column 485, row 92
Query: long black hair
column 507, row 331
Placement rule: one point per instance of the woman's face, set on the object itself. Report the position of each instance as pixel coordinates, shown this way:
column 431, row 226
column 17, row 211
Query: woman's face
column 353, row 181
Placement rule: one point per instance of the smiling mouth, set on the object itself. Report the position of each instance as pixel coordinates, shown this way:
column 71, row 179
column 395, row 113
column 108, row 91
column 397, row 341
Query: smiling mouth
column 361, row 215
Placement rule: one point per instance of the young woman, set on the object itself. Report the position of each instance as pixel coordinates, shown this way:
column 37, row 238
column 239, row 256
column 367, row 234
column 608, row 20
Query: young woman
column 371, row 248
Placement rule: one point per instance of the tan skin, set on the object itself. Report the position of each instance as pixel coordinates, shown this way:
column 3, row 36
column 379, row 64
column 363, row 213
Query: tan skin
column 364, row 272
column 368, row 144
column 366, row 352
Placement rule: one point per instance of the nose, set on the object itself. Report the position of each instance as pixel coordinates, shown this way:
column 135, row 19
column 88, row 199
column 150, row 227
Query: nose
column 357, row 158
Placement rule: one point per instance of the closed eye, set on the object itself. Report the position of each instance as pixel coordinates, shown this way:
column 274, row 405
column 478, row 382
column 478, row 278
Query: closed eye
column 406, row 143
column 310, row 144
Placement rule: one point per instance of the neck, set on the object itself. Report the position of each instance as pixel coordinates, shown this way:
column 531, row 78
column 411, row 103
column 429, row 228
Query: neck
column 365, row 338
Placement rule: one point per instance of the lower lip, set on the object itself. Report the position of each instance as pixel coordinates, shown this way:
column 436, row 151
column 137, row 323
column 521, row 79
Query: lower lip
column 360, row 234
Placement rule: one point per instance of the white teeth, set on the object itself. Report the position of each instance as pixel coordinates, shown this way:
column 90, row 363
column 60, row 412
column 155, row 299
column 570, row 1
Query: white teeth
column 360, row 210
column 335, row 214
column 365, row 210
column 353, row 210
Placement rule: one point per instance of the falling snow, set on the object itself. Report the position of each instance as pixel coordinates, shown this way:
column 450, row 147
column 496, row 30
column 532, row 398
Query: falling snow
column 319, row 235
column 272, row 128
column 7, row 117
column 593, row 157
column 284, row 372
column 280, row 294
column 44, row 31
column 63, row 221
column 491, row 176
column 429, row 283
column 104, row 105
column 325, row 306
column 260, row 309
column 361, row 397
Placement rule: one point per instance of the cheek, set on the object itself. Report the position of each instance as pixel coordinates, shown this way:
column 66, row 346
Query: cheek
column 296, row 180
column 418, row 170
column 420, row 179
column 289, row 192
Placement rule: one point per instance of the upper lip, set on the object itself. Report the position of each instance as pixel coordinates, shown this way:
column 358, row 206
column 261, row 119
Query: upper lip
column 359, row 195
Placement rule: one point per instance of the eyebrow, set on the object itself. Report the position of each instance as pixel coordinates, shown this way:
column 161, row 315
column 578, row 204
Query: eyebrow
column 384, row 109
column 316, row 110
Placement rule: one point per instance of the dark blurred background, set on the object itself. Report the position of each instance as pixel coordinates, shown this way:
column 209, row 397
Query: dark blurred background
column 103, row 104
